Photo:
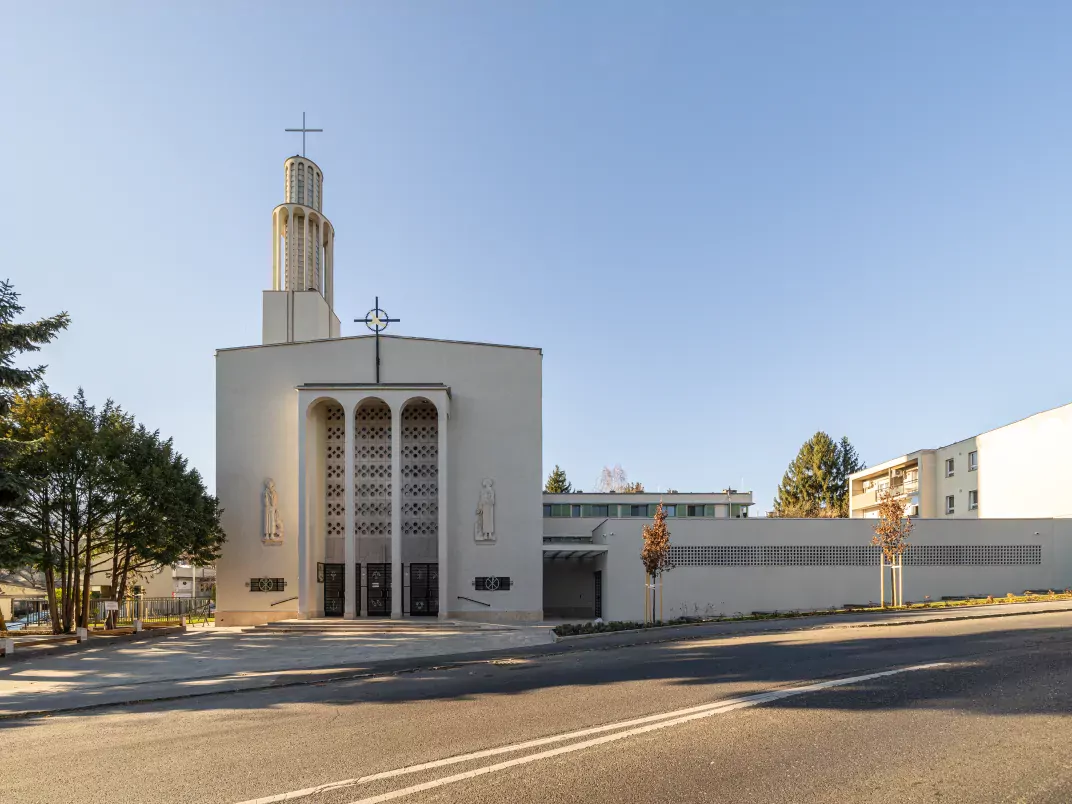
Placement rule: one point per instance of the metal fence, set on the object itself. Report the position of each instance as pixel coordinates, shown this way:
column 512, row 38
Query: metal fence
column 153, row 610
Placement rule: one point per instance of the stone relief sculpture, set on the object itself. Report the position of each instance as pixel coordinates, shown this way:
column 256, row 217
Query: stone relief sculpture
column 273, row 526
column 484, row 530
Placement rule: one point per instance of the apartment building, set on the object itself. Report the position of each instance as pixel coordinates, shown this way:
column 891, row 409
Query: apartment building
column 1016, row 471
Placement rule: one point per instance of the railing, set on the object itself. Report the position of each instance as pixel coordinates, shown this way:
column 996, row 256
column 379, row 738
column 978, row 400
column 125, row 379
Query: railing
column 568, row 539
column 285, row 600
column 479, row 602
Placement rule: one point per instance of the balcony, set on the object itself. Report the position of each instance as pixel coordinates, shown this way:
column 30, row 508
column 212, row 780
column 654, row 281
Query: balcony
column 870, row 497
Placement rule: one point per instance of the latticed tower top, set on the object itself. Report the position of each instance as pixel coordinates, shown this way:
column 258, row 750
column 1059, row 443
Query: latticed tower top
column 303, row 183
column 303, row 238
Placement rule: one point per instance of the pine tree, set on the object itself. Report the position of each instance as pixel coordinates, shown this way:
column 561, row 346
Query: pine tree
column 816, row 484
column 557, row 482
column 16, row 339
column 848, row 463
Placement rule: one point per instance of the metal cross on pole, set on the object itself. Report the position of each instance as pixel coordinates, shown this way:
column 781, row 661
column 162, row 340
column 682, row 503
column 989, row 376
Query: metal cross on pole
column 303, row 131
column 377, row 321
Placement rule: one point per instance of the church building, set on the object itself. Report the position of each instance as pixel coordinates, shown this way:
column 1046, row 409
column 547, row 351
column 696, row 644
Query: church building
column 375, row 475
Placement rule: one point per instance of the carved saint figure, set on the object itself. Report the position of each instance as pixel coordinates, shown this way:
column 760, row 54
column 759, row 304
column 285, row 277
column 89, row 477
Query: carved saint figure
column 485, row 512
column 273, row 527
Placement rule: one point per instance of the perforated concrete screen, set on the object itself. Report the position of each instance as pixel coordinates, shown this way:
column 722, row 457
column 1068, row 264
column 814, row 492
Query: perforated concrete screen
column 856, row 555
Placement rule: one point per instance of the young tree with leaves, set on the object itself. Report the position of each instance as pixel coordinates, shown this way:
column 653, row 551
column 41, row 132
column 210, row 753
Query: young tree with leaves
column 557, row 482
column 816, row 484
column 891, row 537
column 655, row 554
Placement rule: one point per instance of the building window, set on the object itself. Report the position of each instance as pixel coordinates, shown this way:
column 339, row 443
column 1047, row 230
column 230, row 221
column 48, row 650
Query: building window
column 973, row 461
column 575, row 510
column 600, row 510
column 738, row 511
column 638, row 510
column 949, row 504
column 556, row 510
column 973, row 499
column 948, row 467
column 547, row 511
column 695, row 510
column 670, row 510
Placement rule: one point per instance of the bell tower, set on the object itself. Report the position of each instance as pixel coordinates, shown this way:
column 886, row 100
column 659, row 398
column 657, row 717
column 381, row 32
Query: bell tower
column 299, row 304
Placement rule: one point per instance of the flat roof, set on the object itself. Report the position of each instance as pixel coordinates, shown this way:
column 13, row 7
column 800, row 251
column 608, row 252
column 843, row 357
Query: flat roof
column 647, row 496
column 386, row 386
column 394, row 337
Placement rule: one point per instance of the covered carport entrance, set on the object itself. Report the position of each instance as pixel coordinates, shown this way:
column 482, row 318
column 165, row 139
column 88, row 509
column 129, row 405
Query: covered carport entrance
column 573, row 580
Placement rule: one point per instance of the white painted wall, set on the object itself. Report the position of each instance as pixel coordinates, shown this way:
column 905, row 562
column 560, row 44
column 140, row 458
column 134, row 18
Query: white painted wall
column 1025, row 468
column 726, row 590
column 495, row 431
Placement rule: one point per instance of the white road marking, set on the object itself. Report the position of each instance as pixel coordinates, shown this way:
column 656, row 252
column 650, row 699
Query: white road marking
column 630, row 728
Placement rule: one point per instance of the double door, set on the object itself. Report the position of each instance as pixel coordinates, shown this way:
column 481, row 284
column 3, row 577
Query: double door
column 334, row 589
column 423, row 590
column 378, row 589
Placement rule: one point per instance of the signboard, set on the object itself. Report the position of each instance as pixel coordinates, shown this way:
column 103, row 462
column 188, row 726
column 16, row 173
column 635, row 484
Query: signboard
column 111, row 605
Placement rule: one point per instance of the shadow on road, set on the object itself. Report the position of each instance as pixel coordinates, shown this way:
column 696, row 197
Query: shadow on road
column 731, row 667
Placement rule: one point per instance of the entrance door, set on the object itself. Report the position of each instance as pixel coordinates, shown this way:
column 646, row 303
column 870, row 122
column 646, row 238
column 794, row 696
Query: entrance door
column 423, row 590
column 334, row 589
column 599, row 593
column 379, row 590
column 357, row 588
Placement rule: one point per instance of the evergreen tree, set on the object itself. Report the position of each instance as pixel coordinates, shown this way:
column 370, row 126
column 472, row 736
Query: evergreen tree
column 816, row 484
column 557, row 482
column 99, row 493
column 848, row 462
column 16, row 339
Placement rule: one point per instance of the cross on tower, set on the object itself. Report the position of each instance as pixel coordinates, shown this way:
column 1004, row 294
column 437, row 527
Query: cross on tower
column 377, row 321
column 303, row 131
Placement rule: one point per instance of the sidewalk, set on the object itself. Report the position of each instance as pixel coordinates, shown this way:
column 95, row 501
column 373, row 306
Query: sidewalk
column 228, row 660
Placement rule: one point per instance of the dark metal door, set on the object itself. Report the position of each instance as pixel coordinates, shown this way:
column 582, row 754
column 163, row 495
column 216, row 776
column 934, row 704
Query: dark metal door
column 334, row 589
column 599, row 593
column 423, row 590
column 357, row 588
column 379, row 589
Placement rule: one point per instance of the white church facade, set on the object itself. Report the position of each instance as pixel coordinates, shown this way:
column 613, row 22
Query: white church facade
column 374, row 475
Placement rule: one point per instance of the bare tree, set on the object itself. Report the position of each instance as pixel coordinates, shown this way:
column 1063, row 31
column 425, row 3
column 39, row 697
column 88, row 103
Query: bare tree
column 891, row 537
column 615, row 479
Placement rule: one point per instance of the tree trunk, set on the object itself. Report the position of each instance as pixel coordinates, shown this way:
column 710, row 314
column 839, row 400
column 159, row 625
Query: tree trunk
column 83, row 620
column 53, row 607
column 115, row 572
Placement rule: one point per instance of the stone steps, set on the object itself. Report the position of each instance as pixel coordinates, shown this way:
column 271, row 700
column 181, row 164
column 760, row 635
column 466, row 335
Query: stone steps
column 374, row 626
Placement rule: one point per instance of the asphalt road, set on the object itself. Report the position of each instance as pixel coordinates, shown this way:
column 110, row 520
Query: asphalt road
column 970, row 711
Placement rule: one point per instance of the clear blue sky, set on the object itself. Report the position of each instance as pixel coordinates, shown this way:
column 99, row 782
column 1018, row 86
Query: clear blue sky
column 727, row 224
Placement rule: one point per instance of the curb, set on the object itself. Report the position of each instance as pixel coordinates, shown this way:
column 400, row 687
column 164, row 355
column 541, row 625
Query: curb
column 933, row 619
